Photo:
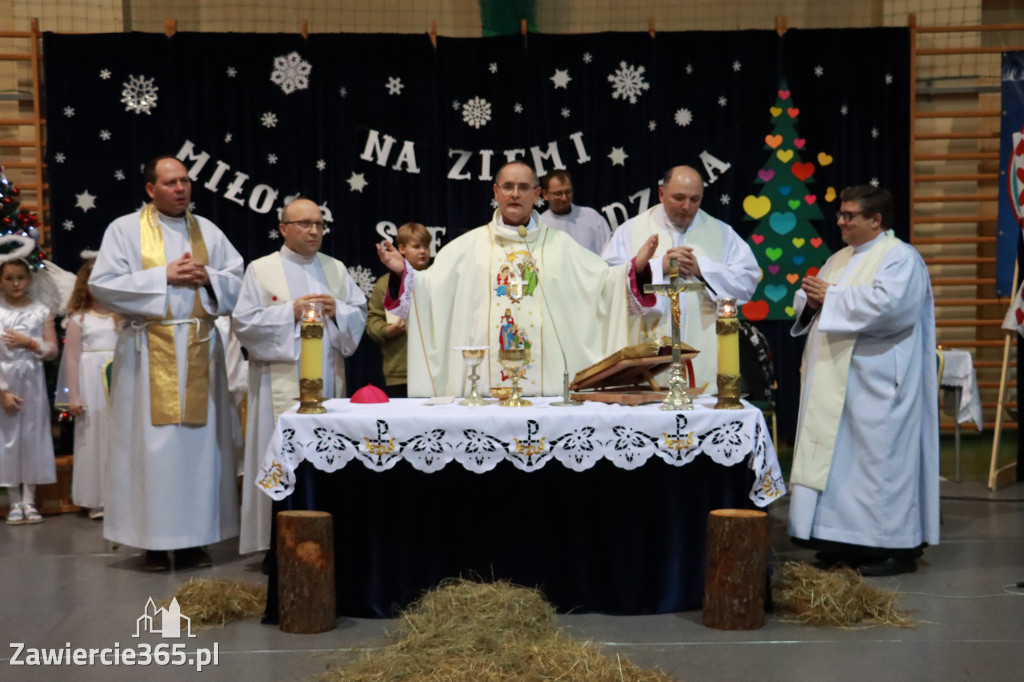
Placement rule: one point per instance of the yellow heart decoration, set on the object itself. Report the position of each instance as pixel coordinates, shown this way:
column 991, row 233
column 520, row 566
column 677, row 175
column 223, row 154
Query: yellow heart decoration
column 798, row 242
column 790, row 310
column 756, row 207
column 824, row 159
column 830, row 194
column 775, row 111
column 784, row 155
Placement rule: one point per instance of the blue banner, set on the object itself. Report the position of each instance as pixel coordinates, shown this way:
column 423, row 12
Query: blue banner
column 1011, row 161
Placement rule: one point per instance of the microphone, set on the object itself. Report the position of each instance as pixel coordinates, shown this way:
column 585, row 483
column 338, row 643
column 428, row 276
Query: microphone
column 566, row 402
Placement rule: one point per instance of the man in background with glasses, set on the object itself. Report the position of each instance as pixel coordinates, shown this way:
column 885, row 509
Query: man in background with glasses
column 515, row 273
column 266, row 322
column 582, row 223
column 865, row 475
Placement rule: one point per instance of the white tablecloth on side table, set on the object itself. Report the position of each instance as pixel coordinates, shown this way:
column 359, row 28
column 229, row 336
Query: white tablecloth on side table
column 958, row 371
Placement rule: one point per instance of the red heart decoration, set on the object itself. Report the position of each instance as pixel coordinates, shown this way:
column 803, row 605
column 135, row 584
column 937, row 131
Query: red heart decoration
column 1019, row 151
column 812, row 272
column 1020, row 316
column 810, row 198
column 793, row 112
column 800, row 142
column 784, row 94
column 755, row 310
column 816, row 242
column 757, row 238
column 1020, row 174
column 803, row 170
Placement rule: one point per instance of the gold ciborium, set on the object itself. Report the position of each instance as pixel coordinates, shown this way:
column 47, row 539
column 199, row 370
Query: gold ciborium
column 472, row 356
column 513, row 360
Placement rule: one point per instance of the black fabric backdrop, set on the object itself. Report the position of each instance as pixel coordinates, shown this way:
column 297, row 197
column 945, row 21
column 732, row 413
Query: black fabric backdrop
column 381, row 129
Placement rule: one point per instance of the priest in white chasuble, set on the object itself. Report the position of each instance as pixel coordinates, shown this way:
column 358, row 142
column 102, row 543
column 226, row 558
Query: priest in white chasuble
column 865, row 480
column 170, row 477
column 266, row 322
column 513, row 281
column 706, row 248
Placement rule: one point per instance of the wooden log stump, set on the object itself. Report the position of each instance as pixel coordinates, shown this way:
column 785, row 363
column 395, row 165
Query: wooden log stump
column 305, row 572
column 734, row 581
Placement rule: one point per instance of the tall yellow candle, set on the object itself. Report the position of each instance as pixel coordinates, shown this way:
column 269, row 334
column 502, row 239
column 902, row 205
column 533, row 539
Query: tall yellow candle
column 311, row 331
column 729, row 353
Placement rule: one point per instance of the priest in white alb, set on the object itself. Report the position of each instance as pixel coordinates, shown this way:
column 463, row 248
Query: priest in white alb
column 170, row 480
column 706, row 249
column 266, row 322
column 865, row 480
column 514, row 283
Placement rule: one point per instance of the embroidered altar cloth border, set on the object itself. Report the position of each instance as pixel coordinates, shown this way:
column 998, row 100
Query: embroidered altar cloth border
column 431, row 437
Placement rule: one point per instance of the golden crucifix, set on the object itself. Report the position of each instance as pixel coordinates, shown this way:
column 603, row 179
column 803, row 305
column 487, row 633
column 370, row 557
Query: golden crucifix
column 676, row 398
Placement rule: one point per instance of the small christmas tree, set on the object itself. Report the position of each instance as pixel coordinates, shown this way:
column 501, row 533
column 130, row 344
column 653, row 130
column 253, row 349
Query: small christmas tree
column 787, row 245
column 19, row 230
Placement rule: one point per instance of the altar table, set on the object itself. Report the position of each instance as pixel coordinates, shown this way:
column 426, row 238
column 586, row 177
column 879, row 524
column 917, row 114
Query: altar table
column 603, row 507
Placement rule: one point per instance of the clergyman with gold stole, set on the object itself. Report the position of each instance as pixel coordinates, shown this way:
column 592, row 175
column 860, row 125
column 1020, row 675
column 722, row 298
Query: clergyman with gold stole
column 170, row 475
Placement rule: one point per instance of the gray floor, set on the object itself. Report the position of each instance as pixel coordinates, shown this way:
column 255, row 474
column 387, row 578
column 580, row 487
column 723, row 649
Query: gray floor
column 62, row 585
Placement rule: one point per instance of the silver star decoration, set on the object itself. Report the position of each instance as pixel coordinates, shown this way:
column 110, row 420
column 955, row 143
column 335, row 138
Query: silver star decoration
column 271, row 159
column 119, row 174
column 736, row 66
column 819, row 71
column 587, row 57
column 105, row 74
column 518, row 108
column 651, row 125
column 232, row 72
column 874, row 133
column 888, row 79
column 227, row 138
column 618, row 156
column 394, row 85
column 493, row 67
column 104, row 135
column 844, row 110
column 59, row 157
column 69, row 111
column 68, row 225
column 85, row 201
column 321, row 164
column 565, row 112
column 356, row 182
column 725, row 199
column 561, row 79
column 722, row 101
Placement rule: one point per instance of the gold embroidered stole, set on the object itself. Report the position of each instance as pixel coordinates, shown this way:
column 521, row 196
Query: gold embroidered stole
column 164, row 396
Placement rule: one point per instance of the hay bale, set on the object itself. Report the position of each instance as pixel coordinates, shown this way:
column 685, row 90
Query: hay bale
column 839, row 598
column 485, row 632
column 211, row 603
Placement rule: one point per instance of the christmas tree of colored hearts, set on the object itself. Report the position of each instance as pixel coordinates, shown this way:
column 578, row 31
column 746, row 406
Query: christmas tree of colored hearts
column 786, row 243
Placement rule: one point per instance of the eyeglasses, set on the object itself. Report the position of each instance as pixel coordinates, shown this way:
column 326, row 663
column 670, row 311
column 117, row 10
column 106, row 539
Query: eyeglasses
column 561, row 193
column 306, row 224
column 847, row 216
column 523, row 188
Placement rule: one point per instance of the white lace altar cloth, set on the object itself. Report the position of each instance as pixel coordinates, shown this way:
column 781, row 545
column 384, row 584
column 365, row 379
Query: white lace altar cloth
column 431, row 437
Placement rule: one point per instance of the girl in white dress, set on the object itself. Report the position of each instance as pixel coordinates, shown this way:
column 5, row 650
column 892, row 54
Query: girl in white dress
column 27, row 338
column 82, row 388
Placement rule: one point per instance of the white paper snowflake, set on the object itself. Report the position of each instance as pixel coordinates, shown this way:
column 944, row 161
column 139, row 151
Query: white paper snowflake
column 456, row 105
column 518, row 108
column 725, row 199
column 104, row 135
column 343, row 92
column 291, row 73
column 227, row 137
column 271, row 159
column 684, row 117
column 269, row 119
column 105, row 74
column 565, row 112
column 363, row 278
column 561, row 79
column 68, row 225
column 618, row 156
column 736, row 66
column 722, row 101
column 394, row 85
column 274, row 234
column 69, row 111
column 873, row 182
column 587, row 57
column 652, row 125
column 819, row 71
column 493, row 67
column 540, row 202
column 844, row 110
column 476, row 112
column 874, row 133
column 628, row 82
column 327, row 214
column 139, row 94
column 888, row 79
column 119, row 174
column 85, row 201
column 321, row 164
column 357, row 182
column 59, row 157
column 494, row 203
column 689, row 69
column 232, row 72
column 192, row 206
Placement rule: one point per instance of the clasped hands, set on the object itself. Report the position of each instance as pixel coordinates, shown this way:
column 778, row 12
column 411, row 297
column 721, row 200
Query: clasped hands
column 326, row 299
column 13, row 339
column 187, row 272
column 815, row 288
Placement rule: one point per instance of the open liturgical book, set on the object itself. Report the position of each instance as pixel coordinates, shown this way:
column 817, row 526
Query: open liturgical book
column 627, row 376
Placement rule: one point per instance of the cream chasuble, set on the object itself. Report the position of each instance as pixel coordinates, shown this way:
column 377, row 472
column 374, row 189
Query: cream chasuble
column 816, row 432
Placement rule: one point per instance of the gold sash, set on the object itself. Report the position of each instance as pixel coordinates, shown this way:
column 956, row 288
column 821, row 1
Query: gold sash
column 164, row 396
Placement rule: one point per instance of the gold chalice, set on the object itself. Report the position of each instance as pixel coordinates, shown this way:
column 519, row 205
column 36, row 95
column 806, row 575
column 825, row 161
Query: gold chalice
column 472, row 356
column 513, row 360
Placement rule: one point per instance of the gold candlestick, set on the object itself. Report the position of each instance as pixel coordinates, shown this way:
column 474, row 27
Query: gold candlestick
column 311, row 359
column 728, row 330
